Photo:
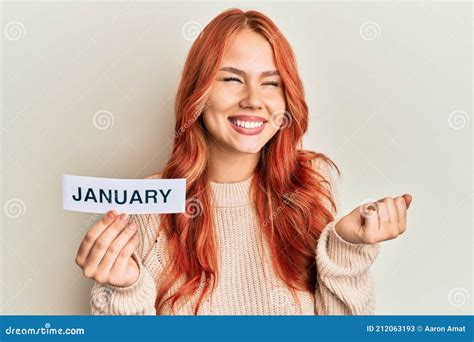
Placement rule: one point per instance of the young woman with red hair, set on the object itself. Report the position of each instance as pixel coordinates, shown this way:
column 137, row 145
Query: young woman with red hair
column 259, row 236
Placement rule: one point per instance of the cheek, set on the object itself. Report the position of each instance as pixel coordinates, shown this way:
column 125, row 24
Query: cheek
column 220, row 100
column 270, row 131
column 276, row 105
column 215, row 123
column 221, row 97
column 276, row 101
column 211, row 121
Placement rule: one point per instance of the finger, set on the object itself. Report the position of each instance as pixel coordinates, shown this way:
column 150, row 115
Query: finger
column 392, row 210
column 393, row 213
column 382, row 210
column 92, row 235
column 370, row 220
column 114, row 249
column 408, row 199
column 121, row 263
column 401, row 205
column 103, row 242
column 387, row 228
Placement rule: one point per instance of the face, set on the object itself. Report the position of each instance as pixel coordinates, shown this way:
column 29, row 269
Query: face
column 244, row 95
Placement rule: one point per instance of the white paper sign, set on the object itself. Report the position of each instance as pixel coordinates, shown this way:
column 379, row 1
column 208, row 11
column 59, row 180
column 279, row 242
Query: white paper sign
column 132, row 196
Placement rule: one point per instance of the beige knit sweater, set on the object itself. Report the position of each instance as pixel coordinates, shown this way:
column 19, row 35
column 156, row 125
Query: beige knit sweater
column 247, row 283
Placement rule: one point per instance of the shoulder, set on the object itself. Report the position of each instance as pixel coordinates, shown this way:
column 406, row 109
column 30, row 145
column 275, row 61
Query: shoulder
column 328, row 176
column 326, row 170
column 154, row 176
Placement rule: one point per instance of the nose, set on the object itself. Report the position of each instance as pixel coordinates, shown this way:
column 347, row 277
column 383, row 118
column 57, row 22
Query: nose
column 251, row 98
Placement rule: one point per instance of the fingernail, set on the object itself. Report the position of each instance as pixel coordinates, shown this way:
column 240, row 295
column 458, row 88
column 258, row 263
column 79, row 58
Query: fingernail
column 123, row 217
column 132, row 226
column 110, row 215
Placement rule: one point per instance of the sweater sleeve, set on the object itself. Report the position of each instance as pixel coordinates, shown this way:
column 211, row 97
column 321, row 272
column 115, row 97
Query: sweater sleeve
column 136, row 299
column 344, row 282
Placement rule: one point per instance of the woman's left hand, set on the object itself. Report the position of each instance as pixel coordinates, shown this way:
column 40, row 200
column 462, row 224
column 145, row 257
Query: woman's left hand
column 374, row 222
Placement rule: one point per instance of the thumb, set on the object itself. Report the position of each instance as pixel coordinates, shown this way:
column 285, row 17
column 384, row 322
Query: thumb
column 370, row 218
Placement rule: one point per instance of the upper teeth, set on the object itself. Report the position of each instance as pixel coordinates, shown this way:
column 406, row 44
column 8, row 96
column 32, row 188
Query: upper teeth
column 248, row 124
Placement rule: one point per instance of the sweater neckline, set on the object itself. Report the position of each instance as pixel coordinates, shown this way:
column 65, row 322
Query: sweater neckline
column 228, row 195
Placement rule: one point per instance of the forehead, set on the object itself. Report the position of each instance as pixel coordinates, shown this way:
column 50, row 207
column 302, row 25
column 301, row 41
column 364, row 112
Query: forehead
column 249, row 51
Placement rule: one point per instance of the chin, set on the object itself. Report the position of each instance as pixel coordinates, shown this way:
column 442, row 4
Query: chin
column 249, row 148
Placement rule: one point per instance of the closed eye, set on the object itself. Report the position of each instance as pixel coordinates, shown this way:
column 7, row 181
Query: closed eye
column 276, row 84
column 228, row 79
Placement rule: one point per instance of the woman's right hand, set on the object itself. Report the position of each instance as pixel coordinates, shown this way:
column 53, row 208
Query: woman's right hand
column 105, row 253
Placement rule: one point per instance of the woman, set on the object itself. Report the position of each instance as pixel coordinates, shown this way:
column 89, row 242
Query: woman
column 259, row 236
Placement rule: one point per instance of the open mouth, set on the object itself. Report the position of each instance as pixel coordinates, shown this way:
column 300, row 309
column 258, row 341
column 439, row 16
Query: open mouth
column 247, row 125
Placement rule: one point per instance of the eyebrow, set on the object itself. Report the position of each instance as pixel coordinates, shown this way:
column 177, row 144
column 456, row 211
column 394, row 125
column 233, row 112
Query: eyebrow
column 242, row 73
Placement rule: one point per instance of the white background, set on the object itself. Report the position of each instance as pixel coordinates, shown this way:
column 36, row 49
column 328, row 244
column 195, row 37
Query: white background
column 389, row 88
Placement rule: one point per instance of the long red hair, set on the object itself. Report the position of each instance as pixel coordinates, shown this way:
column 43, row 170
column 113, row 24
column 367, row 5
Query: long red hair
column 285, row 178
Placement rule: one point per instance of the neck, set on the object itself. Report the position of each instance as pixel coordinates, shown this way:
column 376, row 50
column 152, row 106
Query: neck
column 228, row 167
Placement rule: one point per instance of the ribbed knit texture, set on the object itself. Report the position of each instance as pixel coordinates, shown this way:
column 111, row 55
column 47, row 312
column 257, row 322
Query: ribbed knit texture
column 247, row 283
